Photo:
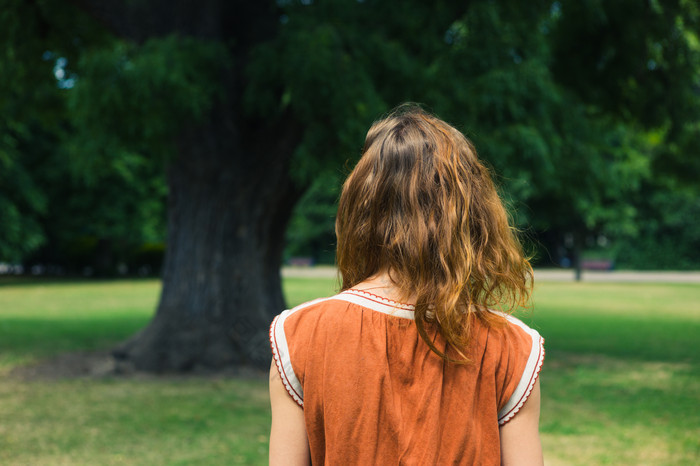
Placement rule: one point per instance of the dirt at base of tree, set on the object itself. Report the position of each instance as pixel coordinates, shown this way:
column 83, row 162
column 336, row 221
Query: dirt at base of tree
column 101, row 364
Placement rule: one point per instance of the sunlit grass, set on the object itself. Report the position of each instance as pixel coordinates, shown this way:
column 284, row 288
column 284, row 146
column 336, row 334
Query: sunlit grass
column 598, row 410
column 301, row 290
column 123, row 421
column 621, row 382
column 647, row 321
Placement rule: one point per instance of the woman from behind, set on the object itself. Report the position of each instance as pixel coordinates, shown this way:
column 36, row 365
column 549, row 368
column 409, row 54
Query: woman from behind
column 411, row 363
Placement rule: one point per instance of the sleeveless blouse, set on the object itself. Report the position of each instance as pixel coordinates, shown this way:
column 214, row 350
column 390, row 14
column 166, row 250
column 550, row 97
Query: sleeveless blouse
column 374, row 393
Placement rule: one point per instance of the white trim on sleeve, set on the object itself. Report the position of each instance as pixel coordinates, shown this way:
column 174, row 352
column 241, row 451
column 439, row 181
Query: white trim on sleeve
column 280, row 352
column 529, row 377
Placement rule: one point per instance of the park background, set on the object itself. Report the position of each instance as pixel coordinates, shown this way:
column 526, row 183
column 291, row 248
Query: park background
column 160, row 161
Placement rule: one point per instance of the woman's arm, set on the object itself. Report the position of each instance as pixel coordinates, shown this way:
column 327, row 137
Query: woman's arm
column 289, row 444
column 520, row 437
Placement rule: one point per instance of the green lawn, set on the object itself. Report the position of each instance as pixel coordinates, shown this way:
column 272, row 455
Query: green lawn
column 621, row 382
column 48, row 317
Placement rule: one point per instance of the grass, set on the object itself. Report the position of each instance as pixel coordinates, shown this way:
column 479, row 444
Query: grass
column 621, row 383
column 43, row 318
column 119, row 421
column 643, row 321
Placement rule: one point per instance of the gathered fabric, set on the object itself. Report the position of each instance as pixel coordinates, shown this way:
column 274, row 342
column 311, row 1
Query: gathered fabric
column 373, row 392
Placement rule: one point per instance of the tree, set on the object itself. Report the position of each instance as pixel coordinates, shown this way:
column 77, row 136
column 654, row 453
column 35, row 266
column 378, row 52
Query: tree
column 561, row 99
column 22, row 91
column 246, row 103
column 311, row 231
column 639, row 65
column 100, row 220
column 53, row 204
column 21, row 204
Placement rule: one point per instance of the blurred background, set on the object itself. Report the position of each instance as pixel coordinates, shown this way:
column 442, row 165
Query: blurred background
column 587, row 112
column 161, row 161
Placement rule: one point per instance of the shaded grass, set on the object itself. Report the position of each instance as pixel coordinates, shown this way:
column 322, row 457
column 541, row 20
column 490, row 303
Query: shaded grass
column 621, row 383
column 48, row 317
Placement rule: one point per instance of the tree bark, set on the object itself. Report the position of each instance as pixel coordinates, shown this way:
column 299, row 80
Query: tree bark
column 229, row 205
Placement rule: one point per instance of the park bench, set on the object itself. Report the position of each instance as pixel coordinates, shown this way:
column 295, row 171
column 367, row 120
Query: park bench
column 597, row 264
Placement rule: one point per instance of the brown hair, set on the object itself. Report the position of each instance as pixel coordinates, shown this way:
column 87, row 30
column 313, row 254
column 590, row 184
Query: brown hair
column 420, row 205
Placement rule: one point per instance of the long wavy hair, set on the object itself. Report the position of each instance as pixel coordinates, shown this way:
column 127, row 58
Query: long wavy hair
column 422, row 207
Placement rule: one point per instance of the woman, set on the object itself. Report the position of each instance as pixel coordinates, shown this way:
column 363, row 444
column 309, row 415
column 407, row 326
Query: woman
column 410, row 363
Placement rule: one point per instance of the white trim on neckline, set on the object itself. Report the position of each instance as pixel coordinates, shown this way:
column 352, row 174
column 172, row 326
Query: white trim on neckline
column 377, row 303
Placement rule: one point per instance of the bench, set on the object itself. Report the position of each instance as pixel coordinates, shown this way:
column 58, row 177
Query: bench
column 597, row 264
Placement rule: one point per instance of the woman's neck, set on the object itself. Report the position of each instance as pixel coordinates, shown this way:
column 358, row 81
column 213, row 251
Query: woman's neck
column 382, row 285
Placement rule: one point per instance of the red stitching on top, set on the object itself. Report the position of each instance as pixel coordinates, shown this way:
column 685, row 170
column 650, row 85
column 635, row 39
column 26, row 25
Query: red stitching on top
column 383, row 300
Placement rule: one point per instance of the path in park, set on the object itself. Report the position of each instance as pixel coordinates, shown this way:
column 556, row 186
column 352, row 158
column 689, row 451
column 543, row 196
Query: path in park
column 555, row 275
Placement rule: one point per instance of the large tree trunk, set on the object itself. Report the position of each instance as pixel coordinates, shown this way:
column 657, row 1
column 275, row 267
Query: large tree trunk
column 229, row 204
column 230, row 197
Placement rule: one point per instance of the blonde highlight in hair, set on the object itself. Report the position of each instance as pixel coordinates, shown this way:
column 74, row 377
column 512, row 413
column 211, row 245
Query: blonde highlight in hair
column 422, row 206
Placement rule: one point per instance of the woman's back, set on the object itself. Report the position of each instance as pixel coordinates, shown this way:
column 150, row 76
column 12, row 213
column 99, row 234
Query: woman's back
column 374, row 393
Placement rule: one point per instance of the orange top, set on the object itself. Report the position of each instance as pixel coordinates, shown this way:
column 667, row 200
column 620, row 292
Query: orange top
column 374, row 393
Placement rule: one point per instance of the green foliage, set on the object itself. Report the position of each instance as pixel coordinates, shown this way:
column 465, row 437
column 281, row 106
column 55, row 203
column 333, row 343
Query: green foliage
column 21, row 204
column 677, row 156
column 649, row 83
column 30, row 109
column 312, row 69
column 311, row 231
column 584, row 109
column 639, row 61
column 567, row 161
column 669, row 236
column 71, row 172
column 131, row 100
column 48, row 203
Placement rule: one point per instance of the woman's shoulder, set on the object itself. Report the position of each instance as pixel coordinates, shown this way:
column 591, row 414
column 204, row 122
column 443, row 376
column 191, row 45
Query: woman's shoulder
column 290, row 333
column 310, row 315
column 315, row 307
column 508, row 328
column 514, row 352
